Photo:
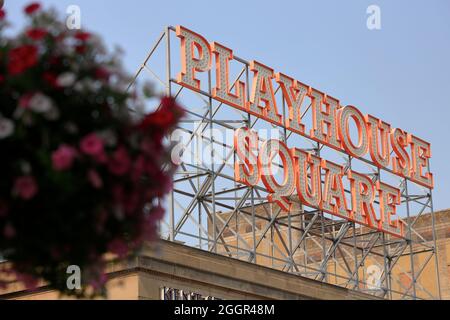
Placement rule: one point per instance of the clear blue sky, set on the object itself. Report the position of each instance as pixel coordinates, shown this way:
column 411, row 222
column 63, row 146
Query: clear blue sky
column 400, row 73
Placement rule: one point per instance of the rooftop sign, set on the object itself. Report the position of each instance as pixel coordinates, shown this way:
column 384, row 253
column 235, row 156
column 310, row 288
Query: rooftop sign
column 389, row 148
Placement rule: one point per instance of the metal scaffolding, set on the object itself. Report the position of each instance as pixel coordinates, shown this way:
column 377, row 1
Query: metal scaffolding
column 209, row 210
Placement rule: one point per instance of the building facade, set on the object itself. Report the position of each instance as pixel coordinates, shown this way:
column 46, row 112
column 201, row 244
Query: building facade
column 173, row 271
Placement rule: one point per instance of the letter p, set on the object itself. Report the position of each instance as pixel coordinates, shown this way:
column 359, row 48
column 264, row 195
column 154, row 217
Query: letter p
column 195, row 57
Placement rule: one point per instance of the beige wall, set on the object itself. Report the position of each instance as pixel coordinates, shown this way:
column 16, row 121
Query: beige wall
column 185, row 268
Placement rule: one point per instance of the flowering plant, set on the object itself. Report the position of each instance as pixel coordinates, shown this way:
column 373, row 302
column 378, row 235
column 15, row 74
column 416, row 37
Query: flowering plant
column 81, row 171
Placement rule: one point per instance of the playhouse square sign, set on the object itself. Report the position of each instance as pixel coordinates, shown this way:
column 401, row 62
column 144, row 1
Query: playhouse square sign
column 389, row 148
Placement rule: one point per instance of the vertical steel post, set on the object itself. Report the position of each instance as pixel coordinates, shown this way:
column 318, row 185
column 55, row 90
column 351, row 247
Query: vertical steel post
column 435, row 247
column 213, row 172
column 410, row 242
column 169, row 93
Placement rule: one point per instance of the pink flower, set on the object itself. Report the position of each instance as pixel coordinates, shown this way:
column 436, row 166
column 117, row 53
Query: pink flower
column 118, row 193
column 101, row 158
column 63, row 157
column 25, row 187
column 118, row 247
column 100, row 282
column 92, row 145
column 131, row 204
column 163, row 186
column 148, row 226
column 120, row 162
column 166, row 185
column 149, row 147
column 24, row 101
column 157, row 213
column 95, row 179
column 29, row 282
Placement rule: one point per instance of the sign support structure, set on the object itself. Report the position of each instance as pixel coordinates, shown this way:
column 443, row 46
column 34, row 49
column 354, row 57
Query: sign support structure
column 209, row 210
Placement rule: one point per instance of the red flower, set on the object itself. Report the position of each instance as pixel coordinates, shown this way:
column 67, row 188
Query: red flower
column 22, row 58
column 25, row 187
column 165, row 117
column 120, row 162
column 60, row 37
column 36, row 33
column 51, row 79
column 2, row 14
column 54, row 61
column 102, row 74
column 138, row 169
column 80, row 49
column 82, row 36
column 32, row 8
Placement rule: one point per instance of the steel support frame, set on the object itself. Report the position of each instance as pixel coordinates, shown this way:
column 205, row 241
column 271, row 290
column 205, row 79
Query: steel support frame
column 306, row 241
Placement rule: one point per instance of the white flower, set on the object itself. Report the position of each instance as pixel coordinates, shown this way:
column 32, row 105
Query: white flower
column 71, row 128
column 18, row 113
column 66, row 79
column 40, row 103
column 109, row 137
column 87, row 85
column 6, row 128
column 118, row 213
column 78, row 87
column 25, row 167
column 91, row 85
column 53, row 114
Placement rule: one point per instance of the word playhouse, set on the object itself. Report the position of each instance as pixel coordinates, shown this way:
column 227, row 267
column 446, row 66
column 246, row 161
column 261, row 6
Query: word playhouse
column 389, row 148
